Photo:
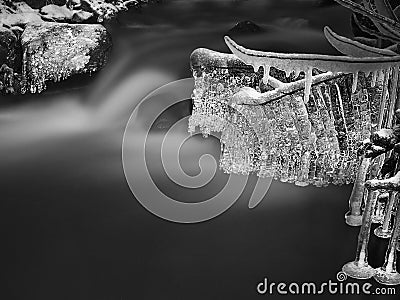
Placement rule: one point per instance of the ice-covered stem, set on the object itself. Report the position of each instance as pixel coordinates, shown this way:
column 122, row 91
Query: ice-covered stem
column 385, row 138
column 355, row 7
column 363, row 238
column 385, row 11
column 388, row 274
column 368, row 150
column 375, row 151
column 354, row 48
column 354, row 215
column 389, row 165
column 286, row 89
column 384, row 8
column 380, row 142
column 359, row 268
column 296, row 63
column 373, row 32
column 389, row 184
column 384, row 230
column 203, row 59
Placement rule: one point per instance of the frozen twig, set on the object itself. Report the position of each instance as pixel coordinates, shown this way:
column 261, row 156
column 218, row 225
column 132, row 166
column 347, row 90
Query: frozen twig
column 390, row 184
column 369, row 13
column 287, row 89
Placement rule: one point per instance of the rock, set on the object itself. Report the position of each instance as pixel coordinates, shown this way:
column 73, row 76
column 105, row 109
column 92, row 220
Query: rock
column 17, row 13
column 22, row 7
column 8, row 45
column 41, row 3
column 56, row 13
column 81, row 16
column 102, row 10
column 55, row 51
column 19, row 19
column 245, row 27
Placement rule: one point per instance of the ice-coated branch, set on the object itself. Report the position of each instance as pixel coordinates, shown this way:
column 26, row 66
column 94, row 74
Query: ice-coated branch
column 286, row 89
column 369, row 13
column 385, row 138
column 384, row 11
column 375, row 151
column 389, row 166
column 376, row 32
column 390, row 184
column 383, row 7
column 353, row 48
column 380, row 142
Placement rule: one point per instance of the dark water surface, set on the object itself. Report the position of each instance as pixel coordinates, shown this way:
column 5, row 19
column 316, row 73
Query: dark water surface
column 73, row 230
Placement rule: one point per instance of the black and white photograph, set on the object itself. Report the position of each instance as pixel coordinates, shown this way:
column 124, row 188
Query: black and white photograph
column 200, row 149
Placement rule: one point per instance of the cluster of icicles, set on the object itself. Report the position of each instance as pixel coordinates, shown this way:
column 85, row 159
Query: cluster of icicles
column 55, row 52
column 306, row 131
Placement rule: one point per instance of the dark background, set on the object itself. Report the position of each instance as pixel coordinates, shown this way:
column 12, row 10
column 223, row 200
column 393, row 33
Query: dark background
column 71, row 228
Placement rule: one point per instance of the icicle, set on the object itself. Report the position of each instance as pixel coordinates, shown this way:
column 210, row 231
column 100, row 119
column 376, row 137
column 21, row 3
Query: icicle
column 374, row 76
column 355, row 82
column 320, row 98
column 342, row 112
column 297, row 72
column 24, row 86
column 256, row 66
column 266, row 73
column 307, row 89
column 381, row 75
column 319, row 92
column 383, row 102
column 393, row 94
column 288, row 72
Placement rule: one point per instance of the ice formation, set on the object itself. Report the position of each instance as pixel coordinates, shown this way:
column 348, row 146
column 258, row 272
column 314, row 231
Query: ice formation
column 306, row 126
column 316, row 119
column 55, row 51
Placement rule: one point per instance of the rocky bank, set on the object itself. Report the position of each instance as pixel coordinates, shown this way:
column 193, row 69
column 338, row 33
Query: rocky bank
column 43, row 40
